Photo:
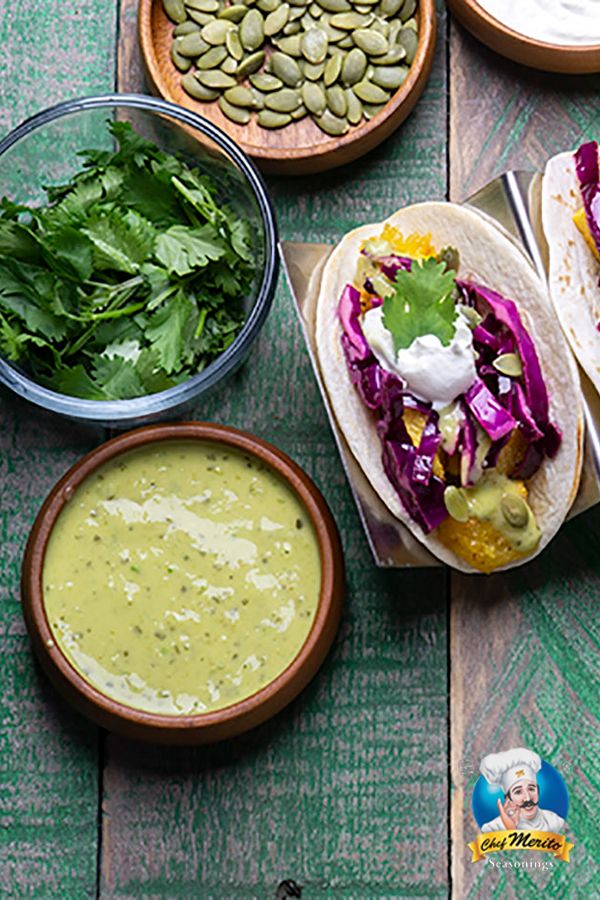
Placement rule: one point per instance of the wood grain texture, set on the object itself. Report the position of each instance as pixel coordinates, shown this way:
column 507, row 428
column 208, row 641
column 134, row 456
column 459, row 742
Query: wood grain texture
column 524, row 647
column 503, row 115
column 346, row 790
column 48, row 755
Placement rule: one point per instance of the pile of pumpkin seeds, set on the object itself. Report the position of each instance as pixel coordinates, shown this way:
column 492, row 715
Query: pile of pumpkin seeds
column 335, row 60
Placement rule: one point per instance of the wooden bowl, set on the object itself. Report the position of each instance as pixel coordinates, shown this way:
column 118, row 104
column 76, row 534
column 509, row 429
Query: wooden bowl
column 301, row 147
column 570, row 59
column 215, row 725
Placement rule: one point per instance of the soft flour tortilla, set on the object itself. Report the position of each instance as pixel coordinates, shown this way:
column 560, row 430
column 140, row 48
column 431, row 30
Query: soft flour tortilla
column 573, row 272
column 488, row 257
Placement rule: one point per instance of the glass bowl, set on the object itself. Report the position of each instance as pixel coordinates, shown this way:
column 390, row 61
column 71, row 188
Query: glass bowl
column 43, row 151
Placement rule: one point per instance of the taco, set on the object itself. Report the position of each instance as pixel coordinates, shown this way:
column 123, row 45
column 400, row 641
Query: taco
column 571, row 222
column 452, row 383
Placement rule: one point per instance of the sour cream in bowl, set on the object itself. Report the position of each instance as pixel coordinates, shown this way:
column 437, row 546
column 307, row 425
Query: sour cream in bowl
column 182, row 583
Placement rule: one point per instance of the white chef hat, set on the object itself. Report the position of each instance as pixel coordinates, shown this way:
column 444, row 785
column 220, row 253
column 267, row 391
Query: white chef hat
column 506, row 768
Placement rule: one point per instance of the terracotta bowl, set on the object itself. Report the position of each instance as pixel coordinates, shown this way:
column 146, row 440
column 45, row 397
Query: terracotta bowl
column 300, row 148
column 572, row 60
column 215, row 725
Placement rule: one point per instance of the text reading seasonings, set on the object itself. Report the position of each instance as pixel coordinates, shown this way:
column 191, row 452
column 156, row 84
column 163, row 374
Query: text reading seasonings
column 338, row 61
column 182, row 577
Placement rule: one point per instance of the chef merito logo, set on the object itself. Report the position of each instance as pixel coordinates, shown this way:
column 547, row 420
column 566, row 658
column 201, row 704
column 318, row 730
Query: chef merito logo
column 520, row 802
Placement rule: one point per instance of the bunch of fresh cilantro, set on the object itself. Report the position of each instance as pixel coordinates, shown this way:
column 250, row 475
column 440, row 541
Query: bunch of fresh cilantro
column 130, row 280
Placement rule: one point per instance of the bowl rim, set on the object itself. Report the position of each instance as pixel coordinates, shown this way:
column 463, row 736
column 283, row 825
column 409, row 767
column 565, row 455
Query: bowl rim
column 574, row 51
column 403, row 98
column 237, row 717
column 116, row 411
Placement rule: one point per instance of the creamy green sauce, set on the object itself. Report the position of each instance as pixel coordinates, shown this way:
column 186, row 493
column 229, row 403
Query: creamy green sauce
column 486, row 501
column 182, row 577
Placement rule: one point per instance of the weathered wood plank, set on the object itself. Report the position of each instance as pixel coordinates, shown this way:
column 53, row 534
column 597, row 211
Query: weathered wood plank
column 48, row 755
column 524, row 647
column 329, row 792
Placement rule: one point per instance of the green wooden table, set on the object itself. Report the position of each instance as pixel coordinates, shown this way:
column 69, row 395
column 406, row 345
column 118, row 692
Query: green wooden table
column 362, row 787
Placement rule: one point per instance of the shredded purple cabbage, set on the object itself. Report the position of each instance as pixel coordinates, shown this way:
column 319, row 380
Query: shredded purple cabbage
column 495, row 420
column 588, row 176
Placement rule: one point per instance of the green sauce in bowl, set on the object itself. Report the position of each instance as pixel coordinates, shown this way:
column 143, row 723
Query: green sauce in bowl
column 182, row 577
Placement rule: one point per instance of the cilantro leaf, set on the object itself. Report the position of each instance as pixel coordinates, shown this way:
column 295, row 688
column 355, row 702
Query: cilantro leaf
column 168, row 329
column 181, row 249
column 121, row 243
column 421, row 304
column 117, row 378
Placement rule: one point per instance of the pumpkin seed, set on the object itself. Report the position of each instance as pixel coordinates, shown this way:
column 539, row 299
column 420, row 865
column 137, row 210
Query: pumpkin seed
column 234, row 13
column 175, row 10
column 259, row 99
column 205, row 6
column 192, row 44
column 314, row 45
column 408, row 9
column 381, row 28
column 333, row 67
column 389, row 77
column 229, row 66
column 251, row 31
column 350, row 21
column 185, row 28
column 234, row 45
column 212, row 58
column 239, row 96
column 354, row 111
column 390, row 7
column 508, row 364
column 334, row 34
column 313, row 72
column 296, row 12
column 292, row 28
column 182, row 63
column 370, row 93
column 268, row 6
column 359, row 8
column 354, row 66
column 198, row 91
column 270, row 119
column 409, row 40
column 277, row 19
column 336, row 100
column 284, row 101
column 515, row 510
column 214, row 78
column 371, row 42
column 265, row 82
column 396, row 54
column 456, row 503
column 289, row 45
column 331, row 124
column 199, row 17
column 286, row 68
column 314, row 98
column 315, row 10
column 299, row 113
column 411, row 23
column 371, row 109
column 335, row 6
column 303, row 3
column 251, row 64
column 346, row 43
column 235, row 113
column 216, row 31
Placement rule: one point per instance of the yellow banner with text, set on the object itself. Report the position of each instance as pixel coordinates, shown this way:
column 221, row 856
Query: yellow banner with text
column 545, row 841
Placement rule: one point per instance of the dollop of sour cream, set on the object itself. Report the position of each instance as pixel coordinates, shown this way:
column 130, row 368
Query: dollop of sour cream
column 433, row 373
column 561, row 22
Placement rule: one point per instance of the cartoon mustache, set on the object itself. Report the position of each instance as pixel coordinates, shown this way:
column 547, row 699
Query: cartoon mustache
column 528, row 804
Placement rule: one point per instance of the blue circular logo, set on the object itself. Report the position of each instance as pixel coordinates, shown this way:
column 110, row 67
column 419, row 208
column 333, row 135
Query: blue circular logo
column 552, row 789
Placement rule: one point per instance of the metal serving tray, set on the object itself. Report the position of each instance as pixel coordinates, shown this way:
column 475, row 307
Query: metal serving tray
column 513, row 201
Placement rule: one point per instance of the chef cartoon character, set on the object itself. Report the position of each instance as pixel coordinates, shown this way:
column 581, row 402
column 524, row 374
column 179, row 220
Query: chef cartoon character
column 515, row 771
